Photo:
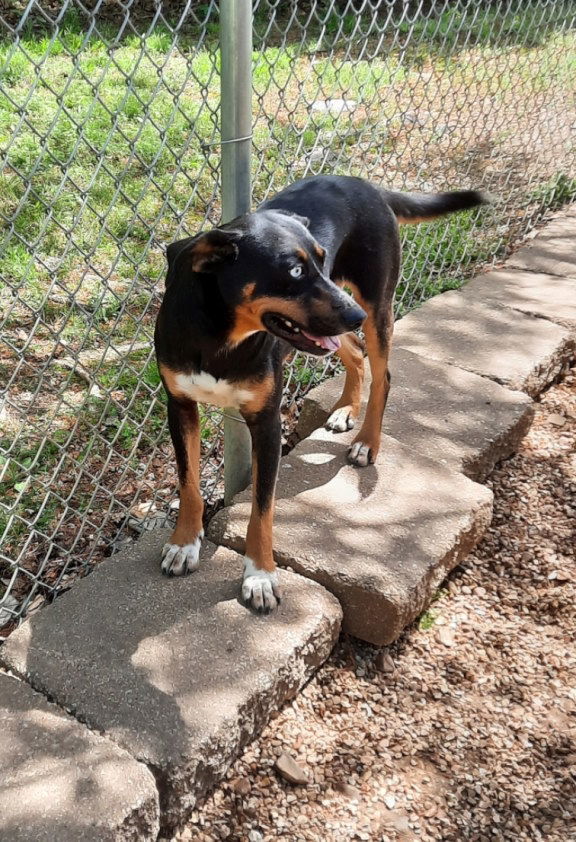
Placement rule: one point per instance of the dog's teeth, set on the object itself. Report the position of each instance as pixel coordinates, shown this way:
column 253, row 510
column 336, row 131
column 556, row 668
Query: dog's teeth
column 286, row 322
column 296, row 330
column 319, row 345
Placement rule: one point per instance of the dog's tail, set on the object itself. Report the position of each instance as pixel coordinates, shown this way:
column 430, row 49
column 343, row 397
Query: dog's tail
column 422, row 207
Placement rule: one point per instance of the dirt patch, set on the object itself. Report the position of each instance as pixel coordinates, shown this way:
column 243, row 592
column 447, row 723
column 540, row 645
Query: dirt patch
column 465, row 729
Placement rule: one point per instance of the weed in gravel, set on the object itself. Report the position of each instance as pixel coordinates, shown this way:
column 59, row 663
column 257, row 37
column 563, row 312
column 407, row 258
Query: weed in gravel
column 427, row 620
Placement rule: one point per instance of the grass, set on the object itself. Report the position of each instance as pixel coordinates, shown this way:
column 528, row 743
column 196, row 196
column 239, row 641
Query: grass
column 560, row 190
column 127, row 418
column 25, row 477
column 427, row 620
column 91, row 176
column 523, row 24
column 108, row 145
column 434, row 255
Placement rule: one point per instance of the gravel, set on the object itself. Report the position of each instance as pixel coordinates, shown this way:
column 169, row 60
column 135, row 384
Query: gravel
column 465, row 728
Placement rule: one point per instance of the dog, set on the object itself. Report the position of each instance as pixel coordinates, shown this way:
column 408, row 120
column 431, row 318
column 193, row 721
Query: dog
column 239, row 298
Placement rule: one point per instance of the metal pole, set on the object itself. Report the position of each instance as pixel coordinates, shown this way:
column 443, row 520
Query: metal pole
column 235, row 133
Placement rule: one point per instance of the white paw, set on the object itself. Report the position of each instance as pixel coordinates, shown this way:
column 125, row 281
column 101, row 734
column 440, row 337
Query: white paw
column 359, row 454
column 260, row 589
column 178, row 560
column 340, row 420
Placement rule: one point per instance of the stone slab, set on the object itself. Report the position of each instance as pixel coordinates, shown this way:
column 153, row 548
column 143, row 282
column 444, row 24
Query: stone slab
column 59, row 781
column 548, row 296
column 177, row 671
column 552, row 251
column 381, row 538
column 466, row 422
column 520, row 351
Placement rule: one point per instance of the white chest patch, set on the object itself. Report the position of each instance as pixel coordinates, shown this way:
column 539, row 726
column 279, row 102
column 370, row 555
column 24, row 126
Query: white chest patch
column 207, row 389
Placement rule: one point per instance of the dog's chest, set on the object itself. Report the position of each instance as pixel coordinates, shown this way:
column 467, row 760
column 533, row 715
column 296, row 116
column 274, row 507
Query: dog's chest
column 205, row 388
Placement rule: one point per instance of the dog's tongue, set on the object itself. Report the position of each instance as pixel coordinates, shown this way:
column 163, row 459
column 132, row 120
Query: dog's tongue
column 330, row 343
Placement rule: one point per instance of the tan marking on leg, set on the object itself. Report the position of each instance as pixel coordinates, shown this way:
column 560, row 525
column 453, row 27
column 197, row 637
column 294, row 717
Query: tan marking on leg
column 261, row 391
column 259, row 541
column 189, row 523
column 371, row 429
column 259, row 538
column 169, row 378
column 378, row 348
column 378, row 353
column 351, row 353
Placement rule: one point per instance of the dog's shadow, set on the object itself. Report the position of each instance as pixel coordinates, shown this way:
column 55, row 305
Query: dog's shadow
column 317, row 462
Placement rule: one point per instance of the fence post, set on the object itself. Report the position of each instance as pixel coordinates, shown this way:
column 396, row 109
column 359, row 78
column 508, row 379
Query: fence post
column 235, row 133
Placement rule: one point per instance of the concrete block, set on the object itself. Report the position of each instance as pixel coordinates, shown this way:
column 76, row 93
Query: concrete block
column 552, row 251
column 176, row 671
column 62, row 783
column 548, row 296
column 466, row 422
column 380, row 538
column 520, row 351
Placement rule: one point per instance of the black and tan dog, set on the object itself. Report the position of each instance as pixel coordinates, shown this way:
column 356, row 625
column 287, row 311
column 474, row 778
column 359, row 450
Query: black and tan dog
column 239, row 298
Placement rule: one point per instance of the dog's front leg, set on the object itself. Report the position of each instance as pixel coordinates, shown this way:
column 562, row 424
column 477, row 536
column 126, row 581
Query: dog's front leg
column 181, row 554
column 260, row 587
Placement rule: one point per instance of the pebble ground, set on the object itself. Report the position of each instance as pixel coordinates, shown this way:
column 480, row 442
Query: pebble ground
column 465, row 729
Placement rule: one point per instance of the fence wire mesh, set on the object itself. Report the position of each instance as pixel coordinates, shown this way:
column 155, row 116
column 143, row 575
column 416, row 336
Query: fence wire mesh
column 109, row 129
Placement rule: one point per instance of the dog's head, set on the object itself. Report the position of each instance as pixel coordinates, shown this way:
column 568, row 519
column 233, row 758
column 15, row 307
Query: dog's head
column 270, row 273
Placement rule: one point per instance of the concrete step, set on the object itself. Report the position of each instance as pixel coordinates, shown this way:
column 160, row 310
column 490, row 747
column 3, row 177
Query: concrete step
column 380, row 538
column 548, row 296
column 176, row 671
column 62, row 783
column 520, row 351
column 553, row 250
column 466, row 422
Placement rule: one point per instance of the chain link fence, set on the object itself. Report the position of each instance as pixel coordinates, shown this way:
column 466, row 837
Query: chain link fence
column 109, row 131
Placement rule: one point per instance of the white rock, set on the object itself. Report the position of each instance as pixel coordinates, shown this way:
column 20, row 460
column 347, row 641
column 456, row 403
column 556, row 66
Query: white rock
column 9, row 604
column 290, row 770
column 334, row 106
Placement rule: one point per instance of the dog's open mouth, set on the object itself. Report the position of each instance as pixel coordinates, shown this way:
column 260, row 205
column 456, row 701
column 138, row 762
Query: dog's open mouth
column 298, row 336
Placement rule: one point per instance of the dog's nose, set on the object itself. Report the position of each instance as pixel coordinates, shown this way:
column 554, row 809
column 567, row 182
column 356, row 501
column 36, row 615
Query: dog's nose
column 354, row 317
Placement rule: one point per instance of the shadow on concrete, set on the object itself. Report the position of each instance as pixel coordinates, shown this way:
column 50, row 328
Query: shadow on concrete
column 177, row 671
column 61, row 782
column 379, row 538
column 520, row 351
column 464, row 421
column 553, row 251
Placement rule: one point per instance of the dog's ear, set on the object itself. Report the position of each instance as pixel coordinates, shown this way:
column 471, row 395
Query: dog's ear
column 303, row 219
column 205, row 251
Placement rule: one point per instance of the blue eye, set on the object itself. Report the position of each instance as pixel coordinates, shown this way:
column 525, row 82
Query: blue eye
column 296, row 271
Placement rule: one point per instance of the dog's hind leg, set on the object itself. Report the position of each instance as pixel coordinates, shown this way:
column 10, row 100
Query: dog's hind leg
column 344, row 413
column 181, row 554
column 378, row 329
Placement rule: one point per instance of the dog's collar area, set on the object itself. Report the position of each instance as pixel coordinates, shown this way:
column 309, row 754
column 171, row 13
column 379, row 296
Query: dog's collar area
column 301, row 339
